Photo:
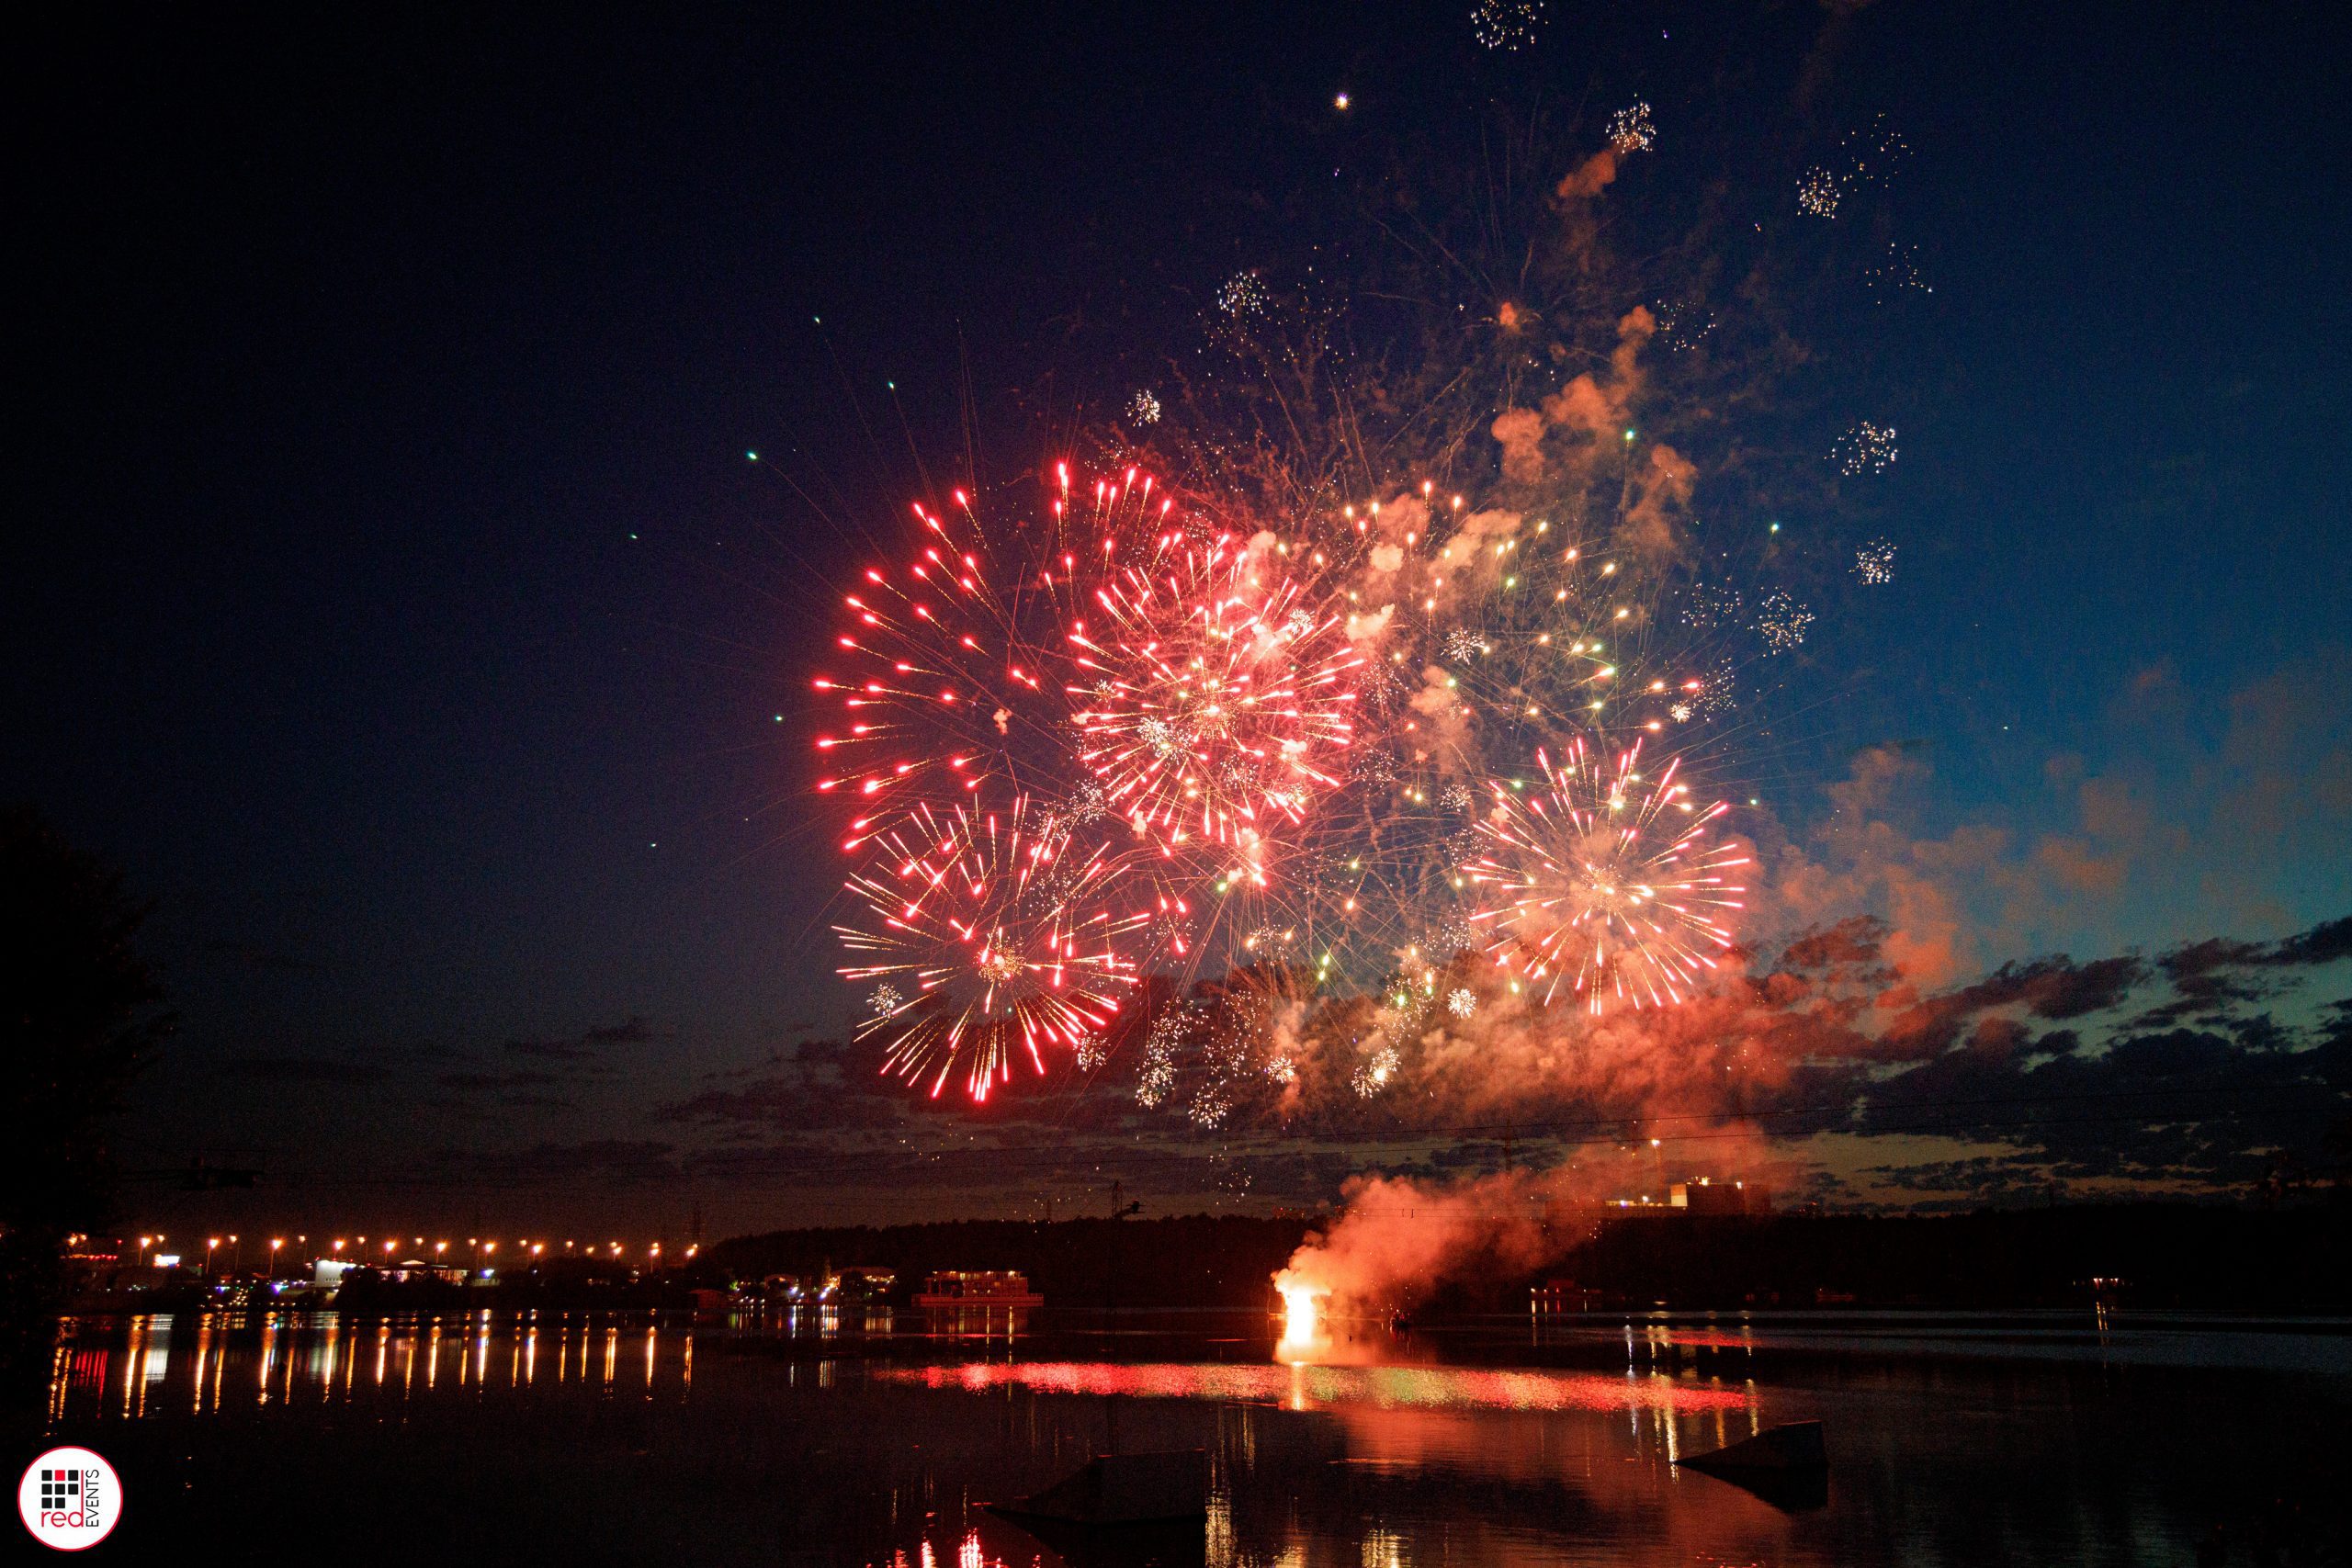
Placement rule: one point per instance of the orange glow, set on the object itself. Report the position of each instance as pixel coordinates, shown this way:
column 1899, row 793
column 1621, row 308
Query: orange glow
column 1409, row 1387
column 1298, row 1313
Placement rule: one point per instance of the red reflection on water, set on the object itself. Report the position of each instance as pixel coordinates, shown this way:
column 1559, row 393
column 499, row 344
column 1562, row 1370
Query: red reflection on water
column 1441, row 1388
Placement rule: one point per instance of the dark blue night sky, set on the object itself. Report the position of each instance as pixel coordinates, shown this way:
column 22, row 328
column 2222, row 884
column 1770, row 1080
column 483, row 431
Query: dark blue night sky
column 393, row 600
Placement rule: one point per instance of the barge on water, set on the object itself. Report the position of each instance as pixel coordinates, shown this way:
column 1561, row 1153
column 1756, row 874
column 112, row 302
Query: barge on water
column 977, row 1288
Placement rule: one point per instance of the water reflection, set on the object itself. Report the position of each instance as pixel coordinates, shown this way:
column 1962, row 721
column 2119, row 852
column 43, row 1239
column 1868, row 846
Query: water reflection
column 318, row 1358
column 850, row 1436
column 1299, row 1386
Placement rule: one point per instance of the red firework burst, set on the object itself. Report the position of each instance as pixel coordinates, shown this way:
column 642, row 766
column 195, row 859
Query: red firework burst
column 1214, row 701
column 1609, row 882
column 998, row 929
column 955, row 662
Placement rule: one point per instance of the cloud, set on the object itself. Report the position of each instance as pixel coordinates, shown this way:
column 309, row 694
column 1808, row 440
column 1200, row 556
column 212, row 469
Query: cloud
column 326, row 1070
column 615, row 1162
column 634, row 1029
column 257, row 955
column 820, row 1084
column 521, row 1077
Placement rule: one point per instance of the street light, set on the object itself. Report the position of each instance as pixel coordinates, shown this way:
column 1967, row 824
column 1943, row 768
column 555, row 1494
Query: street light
column 211, row 1246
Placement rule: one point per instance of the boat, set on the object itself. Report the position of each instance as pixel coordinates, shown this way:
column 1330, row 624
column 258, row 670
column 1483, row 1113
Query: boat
column 977, row 1288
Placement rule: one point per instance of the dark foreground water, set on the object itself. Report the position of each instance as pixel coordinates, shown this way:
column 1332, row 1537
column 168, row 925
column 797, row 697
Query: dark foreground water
column 589, row 1439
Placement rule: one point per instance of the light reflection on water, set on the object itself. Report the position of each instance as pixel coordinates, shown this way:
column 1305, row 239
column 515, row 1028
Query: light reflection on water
column 816, row 1439
column 314, row 1357
column 1297, row 1386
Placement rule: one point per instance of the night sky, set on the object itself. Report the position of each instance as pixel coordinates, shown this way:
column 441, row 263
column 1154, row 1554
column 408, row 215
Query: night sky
column 392, row 598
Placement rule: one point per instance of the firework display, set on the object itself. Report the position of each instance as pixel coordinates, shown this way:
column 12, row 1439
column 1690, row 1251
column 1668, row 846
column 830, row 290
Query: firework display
column 1124, row 737
column 1274, row 780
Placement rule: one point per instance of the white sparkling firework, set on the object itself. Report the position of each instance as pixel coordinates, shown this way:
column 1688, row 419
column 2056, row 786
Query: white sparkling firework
column 1681, row 324
column 1450, row 938
column 1875, row 562
column 1897, row 272
column 1143, row 408
column 1092, row 1054
column 1506, row 24
column 1461, row 1002
column 1868, row 156
column 1088, row 804
column 1269, row 939
column 1867, row 448
column 885, row 1001
column 1818, row 192
column 1462, row 645
column 1166, row 741
column 1874, row 153
column 1456, row 797
column 1376, row 1072
column 1711, row 604
column 1715, row 693
column 1156, row 1078
column 1209, row 1107
column 1784, row 622
column 1243, row 297
column 1402, row 1015
column 1630, row 130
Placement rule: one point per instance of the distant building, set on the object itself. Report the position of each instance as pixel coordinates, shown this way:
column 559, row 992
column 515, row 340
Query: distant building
column 977, row 1288
column 1707, row 1196
column 1563, row 1295
column 862, row 1282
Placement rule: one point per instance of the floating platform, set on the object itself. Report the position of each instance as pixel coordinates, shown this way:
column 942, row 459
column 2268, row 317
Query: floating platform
column 1788, row 1465
column 1792, row 1446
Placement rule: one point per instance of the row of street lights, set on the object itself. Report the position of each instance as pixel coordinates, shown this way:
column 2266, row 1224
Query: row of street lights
column 484, row 1250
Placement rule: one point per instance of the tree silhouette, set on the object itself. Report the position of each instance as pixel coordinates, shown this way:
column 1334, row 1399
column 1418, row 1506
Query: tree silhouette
column 80, row 1011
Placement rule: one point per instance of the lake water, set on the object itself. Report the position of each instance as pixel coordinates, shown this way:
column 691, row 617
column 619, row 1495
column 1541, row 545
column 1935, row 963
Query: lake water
column 868, row 1438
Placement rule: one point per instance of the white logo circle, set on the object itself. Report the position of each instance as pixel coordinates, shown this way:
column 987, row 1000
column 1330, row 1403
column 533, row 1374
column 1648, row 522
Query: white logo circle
column 69, row 1498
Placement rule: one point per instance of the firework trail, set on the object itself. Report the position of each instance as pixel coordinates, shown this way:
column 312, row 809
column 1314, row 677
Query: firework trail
column 1605, row 880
